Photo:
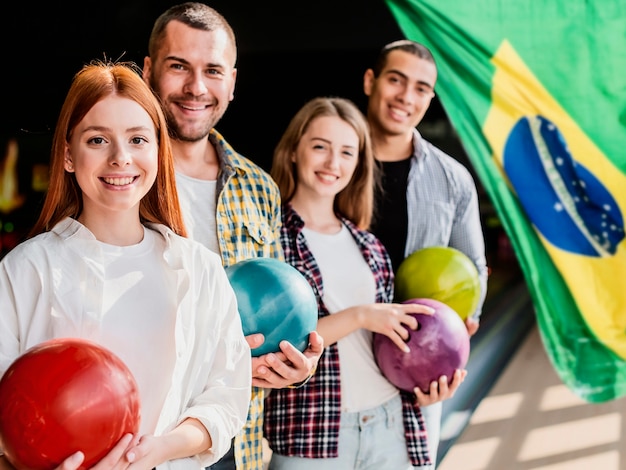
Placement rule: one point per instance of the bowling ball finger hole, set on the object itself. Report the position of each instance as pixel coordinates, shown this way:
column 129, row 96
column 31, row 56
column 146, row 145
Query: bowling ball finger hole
column 408, row 338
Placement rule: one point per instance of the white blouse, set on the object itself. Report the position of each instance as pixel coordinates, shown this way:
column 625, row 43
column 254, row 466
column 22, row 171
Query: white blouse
column 54, row 285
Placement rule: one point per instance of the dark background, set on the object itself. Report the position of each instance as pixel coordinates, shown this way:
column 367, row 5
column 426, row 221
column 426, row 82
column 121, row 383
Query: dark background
column 288, row 53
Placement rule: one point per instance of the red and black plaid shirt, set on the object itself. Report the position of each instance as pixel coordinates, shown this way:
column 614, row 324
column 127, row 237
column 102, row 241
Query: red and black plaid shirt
column 304, row 422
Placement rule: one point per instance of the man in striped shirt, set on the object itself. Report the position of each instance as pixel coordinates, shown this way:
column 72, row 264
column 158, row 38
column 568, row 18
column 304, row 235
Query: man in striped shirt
column 428, row 197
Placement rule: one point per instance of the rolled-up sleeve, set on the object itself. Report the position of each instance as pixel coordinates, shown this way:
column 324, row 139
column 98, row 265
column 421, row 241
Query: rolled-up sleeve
column 213, row 374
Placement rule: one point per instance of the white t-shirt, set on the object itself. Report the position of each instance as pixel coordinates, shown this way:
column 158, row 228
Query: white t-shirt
column 198, row 203
column 348, row 281
column 140, row 310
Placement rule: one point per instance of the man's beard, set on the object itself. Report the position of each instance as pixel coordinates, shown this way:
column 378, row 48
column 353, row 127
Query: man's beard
column 175, row 131
column 177, row 134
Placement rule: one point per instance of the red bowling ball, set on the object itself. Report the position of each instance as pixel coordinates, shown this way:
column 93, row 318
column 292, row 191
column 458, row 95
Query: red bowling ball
column 62, row 396
column 438, row 347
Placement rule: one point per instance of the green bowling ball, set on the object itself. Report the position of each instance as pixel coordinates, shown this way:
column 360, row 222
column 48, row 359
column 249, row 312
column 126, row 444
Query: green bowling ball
column 441, row 273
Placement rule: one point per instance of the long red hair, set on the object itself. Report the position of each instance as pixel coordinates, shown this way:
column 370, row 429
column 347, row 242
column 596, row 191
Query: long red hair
column 91, row 84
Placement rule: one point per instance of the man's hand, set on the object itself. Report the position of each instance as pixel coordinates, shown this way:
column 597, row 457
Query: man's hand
column 471, row 325
column 287, row 367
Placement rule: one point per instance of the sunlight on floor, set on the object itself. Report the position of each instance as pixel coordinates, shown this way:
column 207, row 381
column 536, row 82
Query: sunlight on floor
column 497, row 407
column 558, row 397
column 570, row 436
column 531, row 421
column 474, row 455
column 598, row 461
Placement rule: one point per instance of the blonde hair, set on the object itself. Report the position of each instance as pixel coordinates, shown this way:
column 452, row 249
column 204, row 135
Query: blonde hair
column 356, row 201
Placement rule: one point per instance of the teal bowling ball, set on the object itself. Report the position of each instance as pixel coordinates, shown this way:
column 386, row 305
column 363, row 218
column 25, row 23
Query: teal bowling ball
column 274, row 299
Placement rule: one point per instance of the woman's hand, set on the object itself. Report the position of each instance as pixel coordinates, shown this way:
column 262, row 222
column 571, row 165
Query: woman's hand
column 120, row 457
column 392, row 320
column 5, row 464
column 440, row 390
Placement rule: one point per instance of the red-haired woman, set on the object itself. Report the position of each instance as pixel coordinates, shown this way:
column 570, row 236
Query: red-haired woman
column 108, row 261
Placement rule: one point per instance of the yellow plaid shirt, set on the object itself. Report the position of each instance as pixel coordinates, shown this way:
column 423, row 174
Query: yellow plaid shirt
column 248, row 225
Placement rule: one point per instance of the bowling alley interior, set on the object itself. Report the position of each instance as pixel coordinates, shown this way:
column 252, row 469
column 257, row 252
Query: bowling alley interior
column 512, row 412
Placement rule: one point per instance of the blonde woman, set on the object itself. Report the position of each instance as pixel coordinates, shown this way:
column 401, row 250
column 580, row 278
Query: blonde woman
column 347, row 413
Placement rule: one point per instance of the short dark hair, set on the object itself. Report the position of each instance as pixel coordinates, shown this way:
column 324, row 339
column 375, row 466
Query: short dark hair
column 195, row 15
column 405, row 45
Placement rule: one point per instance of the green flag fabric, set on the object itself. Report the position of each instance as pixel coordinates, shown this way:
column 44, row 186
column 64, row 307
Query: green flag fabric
column 536, row 92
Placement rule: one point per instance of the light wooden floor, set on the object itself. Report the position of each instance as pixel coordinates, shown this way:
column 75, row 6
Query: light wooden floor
column 531, row 421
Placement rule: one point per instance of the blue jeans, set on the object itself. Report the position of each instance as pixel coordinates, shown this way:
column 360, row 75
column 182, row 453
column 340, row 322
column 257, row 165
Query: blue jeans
column 227, row 462
column 368, row 440
column 432, row 419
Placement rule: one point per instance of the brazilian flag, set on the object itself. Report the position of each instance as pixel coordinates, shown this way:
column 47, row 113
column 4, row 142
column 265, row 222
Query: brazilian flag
column 536, row 91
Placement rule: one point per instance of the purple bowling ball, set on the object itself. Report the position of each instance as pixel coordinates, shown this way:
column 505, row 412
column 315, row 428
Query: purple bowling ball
column 439, row 346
